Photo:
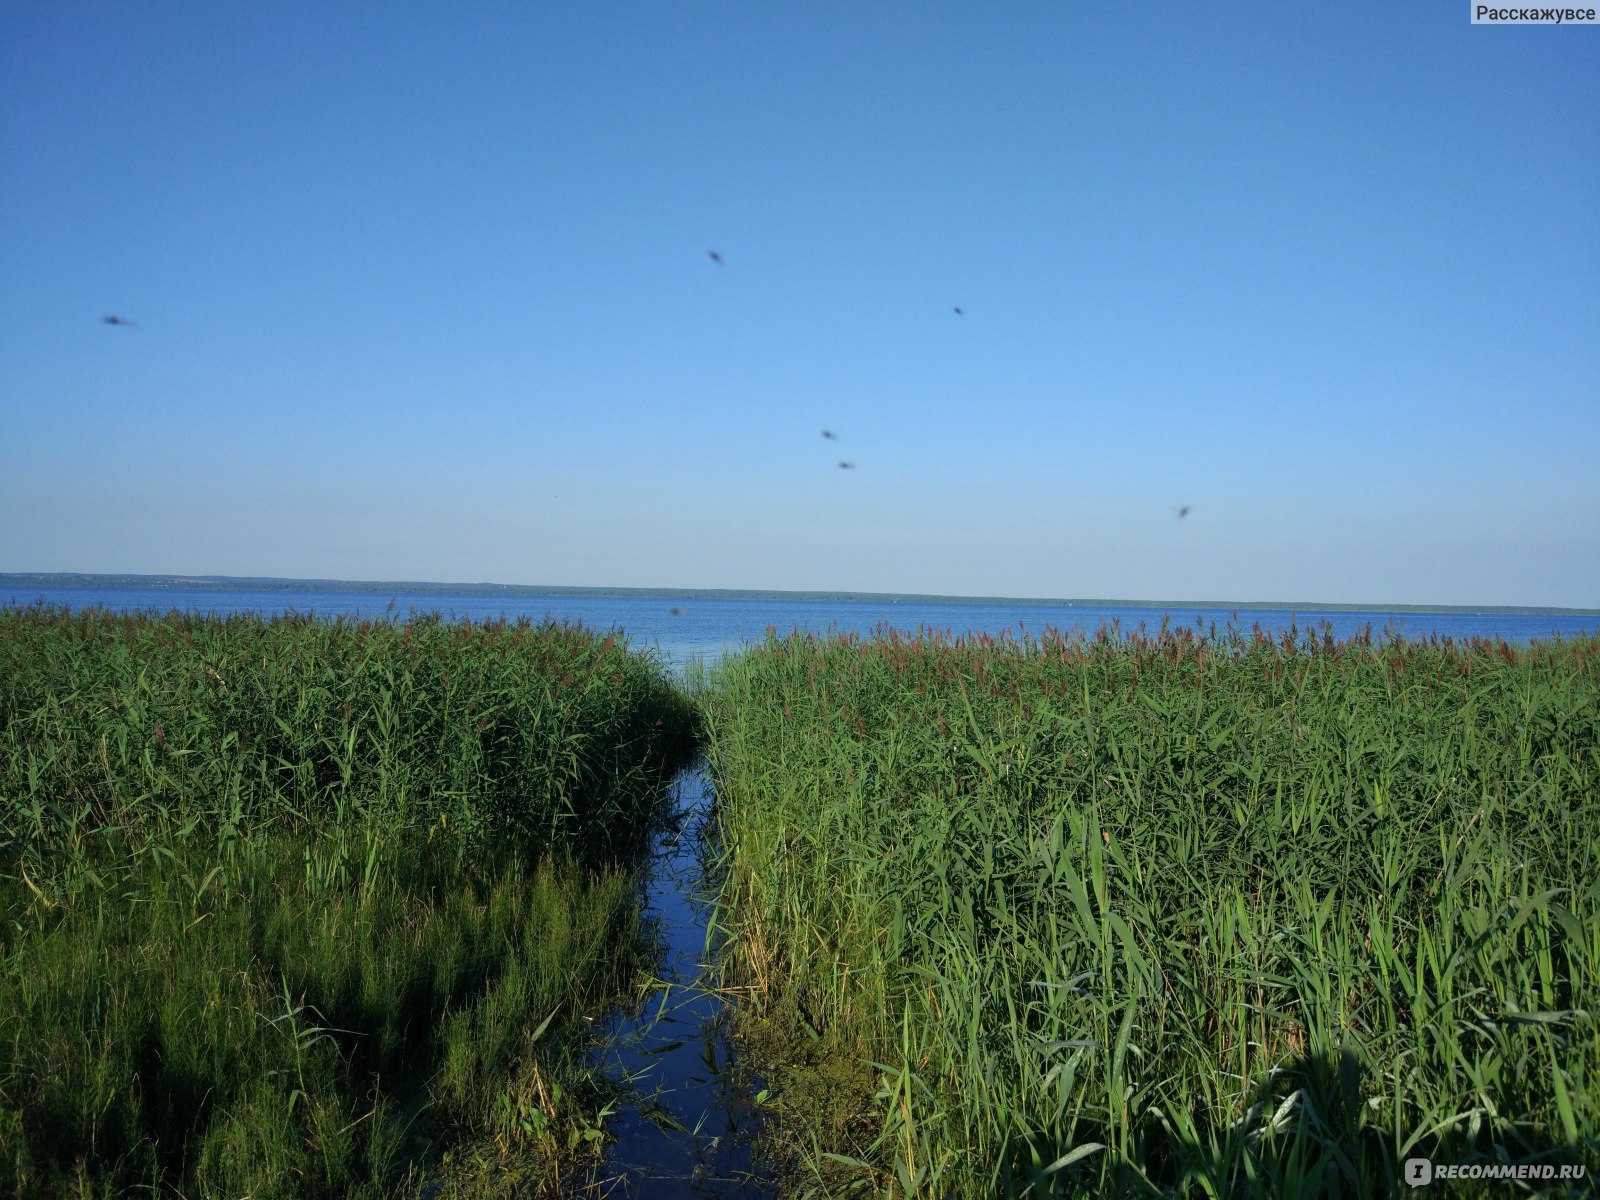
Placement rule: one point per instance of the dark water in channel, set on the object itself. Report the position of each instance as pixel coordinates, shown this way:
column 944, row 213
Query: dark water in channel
column 692, row 1133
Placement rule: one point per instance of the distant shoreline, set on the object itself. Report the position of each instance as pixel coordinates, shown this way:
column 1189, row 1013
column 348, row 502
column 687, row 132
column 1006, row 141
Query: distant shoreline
column 230, row 583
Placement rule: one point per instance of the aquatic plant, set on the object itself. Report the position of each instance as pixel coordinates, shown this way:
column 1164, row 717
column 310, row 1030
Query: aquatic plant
column 1188, row 914
column 316, row 908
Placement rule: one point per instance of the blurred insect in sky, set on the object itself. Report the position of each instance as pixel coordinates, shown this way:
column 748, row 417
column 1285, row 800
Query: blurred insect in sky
column 847, row 466
column 958, row 312
column 714, row 257
column 113, row 319
column 830, row 435
column 1183, row 512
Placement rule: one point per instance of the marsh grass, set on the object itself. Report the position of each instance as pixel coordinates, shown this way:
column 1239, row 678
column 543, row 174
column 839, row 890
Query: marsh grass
column 305, row 908
column 545, row 734
column 1191, row 914
column 250, row 1037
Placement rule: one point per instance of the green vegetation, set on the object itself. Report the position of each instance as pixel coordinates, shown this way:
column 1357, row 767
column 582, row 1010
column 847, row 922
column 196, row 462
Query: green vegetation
column 1184, row 915
column 307, row 908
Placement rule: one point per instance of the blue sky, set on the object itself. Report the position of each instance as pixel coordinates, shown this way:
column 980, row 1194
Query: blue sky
column 422, row 292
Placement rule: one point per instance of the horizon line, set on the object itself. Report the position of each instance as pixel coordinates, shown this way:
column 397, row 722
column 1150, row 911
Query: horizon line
column 284, row 583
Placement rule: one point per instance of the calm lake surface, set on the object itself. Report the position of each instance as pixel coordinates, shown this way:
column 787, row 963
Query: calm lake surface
column 690, row 626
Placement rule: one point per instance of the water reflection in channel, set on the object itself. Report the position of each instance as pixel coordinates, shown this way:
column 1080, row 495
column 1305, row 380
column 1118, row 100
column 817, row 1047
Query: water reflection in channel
column 692, row 1133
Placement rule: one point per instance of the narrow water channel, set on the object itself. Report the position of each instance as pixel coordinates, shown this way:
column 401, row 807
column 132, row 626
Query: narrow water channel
column 693, row 1132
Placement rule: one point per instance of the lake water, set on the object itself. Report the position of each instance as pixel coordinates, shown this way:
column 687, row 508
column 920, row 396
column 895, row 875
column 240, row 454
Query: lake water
column 692, row 626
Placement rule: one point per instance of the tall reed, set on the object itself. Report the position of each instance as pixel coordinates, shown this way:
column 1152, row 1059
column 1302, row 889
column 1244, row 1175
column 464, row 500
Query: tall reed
column 545, row 733
column 307, row 908
column 1190, row 914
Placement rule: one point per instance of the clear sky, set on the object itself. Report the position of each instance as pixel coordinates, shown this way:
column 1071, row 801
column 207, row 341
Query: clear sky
column 422, row 291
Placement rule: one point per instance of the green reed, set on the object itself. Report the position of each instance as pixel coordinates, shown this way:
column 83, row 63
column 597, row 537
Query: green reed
column 545, row 733
column 1191, row 914
column 253, row 1038
column 308, row 908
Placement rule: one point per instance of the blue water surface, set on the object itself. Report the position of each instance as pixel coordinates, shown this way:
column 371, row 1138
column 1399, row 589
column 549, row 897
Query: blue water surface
column 695, row 626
